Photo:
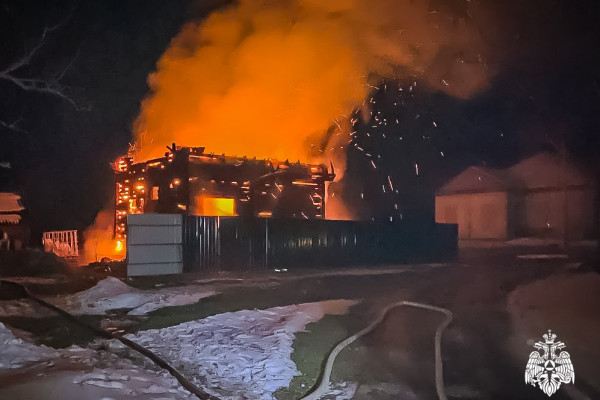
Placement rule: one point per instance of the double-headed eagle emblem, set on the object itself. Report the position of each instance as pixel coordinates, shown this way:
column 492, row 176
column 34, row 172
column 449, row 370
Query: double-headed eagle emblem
column 549, row 370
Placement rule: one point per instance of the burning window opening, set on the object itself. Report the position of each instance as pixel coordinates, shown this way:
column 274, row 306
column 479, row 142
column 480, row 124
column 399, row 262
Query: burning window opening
column 189, row 181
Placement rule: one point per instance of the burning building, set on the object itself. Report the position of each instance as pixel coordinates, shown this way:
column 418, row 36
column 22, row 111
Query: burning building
column 192, row 211
column 189, row 181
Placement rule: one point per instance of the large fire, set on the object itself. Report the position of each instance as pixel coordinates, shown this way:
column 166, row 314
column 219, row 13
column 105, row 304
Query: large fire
column 270, row 78
column 281, row 79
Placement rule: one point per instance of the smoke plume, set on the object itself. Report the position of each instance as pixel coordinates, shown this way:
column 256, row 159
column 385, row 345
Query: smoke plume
column 271, row 78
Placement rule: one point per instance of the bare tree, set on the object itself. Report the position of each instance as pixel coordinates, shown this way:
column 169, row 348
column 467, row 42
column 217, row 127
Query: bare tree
column 51, row 86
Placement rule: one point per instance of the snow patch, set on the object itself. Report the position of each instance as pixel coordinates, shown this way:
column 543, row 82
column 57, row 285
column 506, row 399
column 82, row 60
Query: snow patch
column 122, row 380
column 242, row 354
column 127, row 381
column 112, row 294
column 16, row 353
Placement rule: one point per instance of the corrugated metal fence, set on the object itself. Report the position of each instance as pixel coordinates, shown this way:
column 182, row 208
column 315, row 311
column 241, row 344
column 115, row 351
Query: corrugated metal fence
column 235, row 243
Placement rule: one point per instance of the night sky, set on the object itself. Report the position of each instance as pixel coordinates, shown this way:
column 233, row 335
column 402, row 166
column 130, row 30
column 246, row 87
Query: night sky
column 545, row 89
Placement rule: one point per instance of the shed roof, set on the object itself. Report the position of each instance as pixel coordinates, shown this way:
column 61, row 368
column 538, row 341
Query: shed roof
column 542, row 171
column 546, row 170
column 10, row 202
column 10, row 218
column 479, row 180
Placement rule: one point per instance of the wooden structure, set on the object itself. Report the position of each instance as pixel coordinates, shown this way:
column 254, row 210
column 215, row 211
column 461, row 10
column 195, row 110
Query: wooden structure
column 189, row 181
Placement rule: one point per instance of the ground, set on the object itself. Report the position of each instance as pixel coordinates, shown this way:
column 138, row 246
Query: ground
column 285, row 324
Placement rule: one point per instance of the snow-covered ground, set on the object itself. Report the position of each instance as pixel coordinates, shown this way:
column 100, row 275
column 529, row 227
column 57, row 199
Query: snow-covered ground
column 99, row 384
column 16, row 352
column 243, row 354
column 236, row 355
column 112, row 294
column 77, row 373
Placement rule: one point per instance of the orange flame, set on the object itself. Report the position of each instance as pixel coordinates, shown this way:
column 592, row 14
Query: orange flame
column 214, row 206
column 280, row 78
column 269, row 78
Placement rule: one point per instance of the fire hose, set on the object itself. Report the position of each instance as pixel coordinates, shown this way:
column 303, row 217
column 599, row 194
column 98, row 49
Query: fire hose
column 324, row 384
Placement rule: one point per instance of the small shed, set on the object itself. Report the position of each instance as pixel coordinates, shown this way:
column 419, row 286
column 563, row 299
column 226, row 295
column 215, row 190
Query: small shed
column 543, row 196
column 478, row 201
column 14, row 231
column 557, row 194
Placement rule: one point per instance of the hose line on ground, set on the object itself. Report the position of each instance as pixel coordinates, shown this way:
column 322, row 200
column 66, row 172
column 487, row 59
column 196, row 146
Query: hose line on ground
column 324, row 384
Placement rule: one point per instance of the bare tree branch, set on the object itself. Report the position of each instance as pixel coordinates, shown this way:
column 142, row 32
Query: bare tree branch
column 26, row 59
column 48, row 86
column 13, row 126
column 68, row 66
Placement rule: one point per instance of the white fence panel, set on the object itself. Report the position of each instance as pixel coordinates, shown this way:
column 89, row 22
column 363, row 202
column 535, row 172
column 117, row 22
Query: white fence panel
column 154, row 244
